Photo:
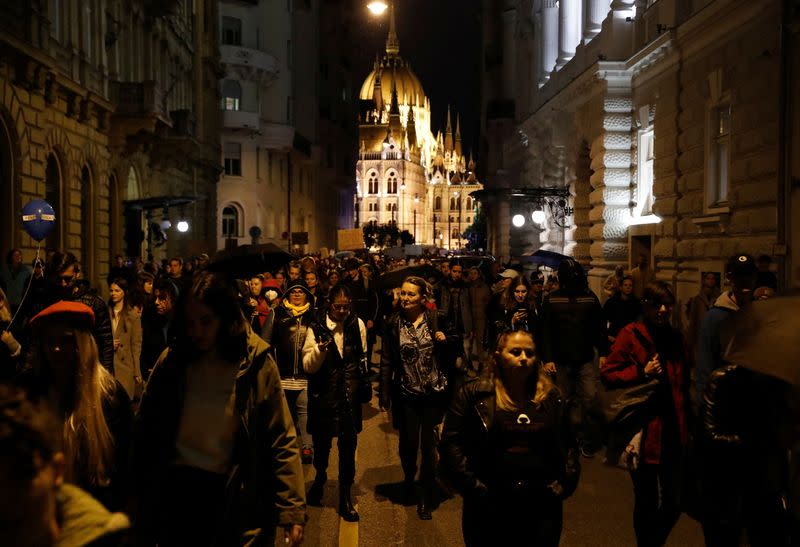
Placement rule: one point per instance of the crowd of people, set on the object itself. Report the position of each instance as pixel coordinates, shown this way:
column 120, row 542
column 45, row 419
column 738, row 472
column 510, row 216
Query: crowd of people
column 190, row 407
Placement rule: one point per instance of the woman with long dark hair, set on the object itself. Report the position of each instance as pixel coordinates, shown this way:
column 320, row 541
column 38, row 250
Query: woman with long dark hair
column 416, row 361
column 513, row 311
column 506, row 448
column 643, row 350
column 334, row 356
column 217, row 455
column 126, row 325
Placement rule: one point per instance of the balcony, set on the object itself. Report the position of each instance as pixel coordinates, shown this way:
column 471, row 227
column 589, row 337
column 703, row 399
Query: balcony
column 239, row 119
column 249, row 64
column 276, row 136
column 139, row 99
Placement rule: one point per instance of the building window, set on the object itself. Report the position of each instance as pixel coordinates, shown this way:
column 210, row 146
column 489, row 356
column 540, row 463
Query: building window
column 231, row 31
column 372, row 207
column 54, row 14
column 233, row 159
column 231, row 95
column 391, row 183
column 452, row 203
column 230, row 222
column 643, row 204
column 373, row 184
column 455, row 233
column 437, row 203
column 470, row 204
column 719, row 156
column 469, row 220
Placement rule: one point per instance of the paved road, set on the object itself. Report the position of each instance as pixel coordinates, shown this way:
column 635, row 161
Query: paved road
column 598, row 515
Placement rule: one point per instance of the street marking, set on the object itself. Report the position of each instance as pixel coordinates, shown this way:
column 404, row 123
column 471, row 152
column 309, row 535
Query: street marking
column 348, row 532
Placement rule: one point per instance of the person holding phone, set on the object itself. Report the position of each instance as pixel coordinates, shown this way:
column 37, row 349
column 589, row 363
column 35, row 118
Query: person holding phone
column 514, row 311
column 652, row 348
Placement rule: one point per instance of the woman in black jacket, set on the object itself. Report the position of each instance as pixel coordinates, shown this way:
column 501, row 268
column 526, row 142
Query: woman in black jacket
column 506, row 449
column 287, row 335
column 418, row 354
column 334, row 356
column 514, row 311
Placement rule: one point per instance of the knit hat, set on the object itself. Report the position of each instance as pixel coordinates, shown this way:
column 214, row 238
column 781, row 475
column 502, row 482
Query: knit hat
column 75, row 313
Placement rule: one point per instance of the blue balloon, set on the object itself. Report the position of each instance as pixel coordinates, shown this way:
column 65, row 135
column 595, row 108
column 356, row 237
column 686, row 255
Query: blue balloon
column 38, row 219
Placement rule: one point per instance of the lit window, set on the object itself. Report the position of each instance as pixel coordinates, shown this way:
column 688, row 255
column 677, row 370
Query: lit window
column 644, row 185
column 231, row 95
column 391, row 183
column 233, row 159
column 719, row 157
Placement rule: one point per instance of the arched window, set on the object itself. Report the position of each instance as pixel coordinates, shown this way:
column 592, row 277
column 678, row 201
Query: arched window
column 391, row 183
column 230, row 221
column 231, row 95
column 87, row 220
column 373, row 183
column 452, row 203
column 52, row 194
column 437, row 203
column 470, row 204
column 458, row 203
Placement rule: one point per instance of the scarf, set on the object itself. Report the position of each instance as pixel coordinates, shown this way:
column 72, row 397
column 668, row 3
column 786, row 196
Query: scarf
column 296, row 310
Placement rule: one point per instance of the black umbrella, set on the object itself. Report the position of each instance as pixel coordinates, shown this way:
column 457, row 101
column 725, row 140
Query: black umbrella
column 395, row 278
column 247, row 260
column 551, row 259
column 764, row 338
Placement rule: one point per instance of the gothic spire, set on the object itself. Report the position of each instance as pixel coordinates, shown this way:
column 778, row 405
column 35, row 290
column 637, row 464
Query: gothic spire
column 392, row 42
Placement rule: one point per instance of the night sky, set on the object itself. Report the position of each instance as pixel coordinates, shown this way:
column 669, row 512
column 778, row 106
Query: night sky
column 441, row 39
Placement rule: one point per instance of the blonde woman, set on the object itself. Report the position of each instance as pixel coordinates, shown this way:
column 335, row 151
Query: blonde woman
column 66, row 371
column 506, row 450
column 10, row 350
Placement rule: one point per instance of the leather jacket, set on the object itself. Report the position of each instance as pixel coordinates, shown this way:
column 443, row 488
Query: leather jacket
column 444, row 353
column 466, row 453
column 333, row 405
column 445, row 301
column 102, row 325
column 287, row 338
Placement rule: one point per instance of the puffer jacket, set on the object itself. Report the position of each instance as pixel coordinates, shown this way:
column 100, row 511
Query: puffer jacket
column 287, row 336
column 333, row 405
column 265, row 476
column 466, row 453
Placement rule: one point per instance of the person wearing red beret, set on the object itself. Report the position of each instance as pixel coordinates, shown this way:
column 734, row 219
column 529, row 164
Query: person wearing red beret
column 65, row 370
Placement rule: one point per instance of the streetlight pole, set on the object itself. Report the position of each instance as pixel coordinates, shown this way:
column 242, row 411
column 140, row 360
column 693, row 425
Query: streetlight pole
column 402, row 205
column 416, row 201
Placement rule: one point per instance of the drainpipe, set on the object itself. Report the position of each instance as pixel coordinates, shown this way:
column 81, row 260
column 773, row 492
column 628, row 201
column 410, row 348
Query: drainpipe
column 784, row 144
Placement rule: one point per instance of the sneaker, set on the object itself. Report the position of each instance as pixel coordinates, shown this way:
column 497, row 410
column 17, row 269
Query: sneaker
column 307, row 455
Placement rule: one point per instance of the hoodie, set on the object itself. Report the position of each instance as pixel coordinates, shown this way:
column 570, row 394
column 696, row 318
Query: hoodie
column 709, row 349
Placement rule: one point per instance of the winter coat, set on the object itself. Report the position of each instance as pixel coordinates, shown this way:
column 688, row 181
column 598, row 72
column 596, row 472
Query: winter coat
column 286, row 339
column 480, row 294
column 391, row 370
column 467, row 455
column 710, row 344
column 631, row 351
column 444, row 301
column 570, row 328
column 334, row 378
column 619, row 312
column 696, row 309
column 127, row 358
column 265, row 477
column 157, row 333
column 102, row 325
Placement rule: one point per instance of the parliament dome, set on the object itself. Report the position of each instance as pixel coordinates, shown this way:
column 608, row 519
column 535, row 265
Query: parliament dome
column 393, row 68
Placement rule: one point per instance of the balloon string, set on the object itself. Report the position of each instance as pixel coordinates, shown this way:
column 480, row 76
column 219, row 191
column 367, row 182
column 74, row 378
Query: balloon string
column 36, row 262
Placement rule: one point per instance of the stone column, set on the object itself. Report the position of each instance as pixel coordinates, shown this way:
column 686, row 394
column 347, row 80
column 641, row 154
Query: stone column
column 611, row 161
column 549, row 39
column 570, row 21
column 595, row 13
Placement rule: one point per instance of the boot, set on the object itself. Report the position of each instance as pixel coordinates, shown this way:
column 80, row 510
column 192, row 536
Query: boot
column 424, row 503
column 314, row 496
column 346, row 509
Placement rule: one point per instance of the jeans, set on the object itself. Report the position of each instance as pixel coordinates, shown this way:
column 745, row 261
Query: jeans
column 298, row 406
column 578, row 385
column 419, row 418
column 347, row 457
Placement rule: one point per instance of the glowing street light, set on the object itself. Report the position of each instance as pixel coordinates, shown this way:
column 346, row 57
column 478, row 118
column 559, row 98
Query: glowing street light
column 518, row 221
column 377, row 7
column 183, row 226
column 538, row 216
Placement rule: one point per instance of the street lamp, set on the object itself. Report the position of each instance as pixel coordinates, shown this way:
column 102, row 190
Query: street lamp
column 377, row 8
column 402, row 205
column 416, row 200
column 458, row 205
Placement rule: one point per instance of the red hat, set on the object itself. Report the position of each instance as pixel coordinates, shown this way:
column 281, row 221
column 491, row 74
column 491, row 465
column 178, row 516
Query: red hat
column 80, row 315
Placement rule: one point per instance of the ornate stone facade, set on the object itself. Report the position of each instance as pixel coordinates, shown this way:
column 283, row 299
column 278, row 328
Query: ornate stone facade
column 667, row 121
